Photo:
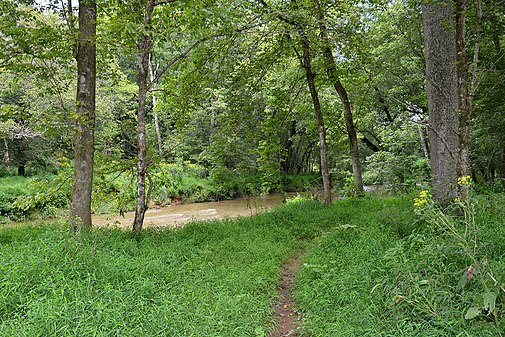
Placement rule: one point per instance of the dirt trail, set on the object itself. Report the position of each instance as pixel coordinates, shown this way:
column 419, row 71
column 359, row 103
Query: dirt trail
column 286, row 317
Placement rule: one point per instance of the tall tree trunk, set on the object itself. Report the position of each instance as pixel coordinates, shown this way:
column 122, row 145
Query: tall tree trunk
column 464, row 107
column 331, row 70
column 80, row 206
column 351, row 133
column 306, row 62
column 442, row 87
column 144, row 51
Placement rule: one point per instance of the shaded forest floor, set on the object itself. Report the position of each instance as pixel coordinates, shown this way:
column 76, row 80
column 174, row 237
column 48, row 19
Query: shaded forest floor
column 372, row 268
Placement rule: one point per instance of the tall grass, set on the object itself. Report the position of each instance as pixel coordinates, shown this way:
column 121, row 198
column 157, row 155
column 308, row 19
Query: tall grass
column 207, row 279
column 372, row 276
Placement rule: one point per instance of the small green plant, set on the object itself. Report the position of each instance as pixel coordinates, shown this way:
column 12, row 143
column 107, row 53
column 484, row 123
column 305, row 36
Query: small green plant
column 349, row 186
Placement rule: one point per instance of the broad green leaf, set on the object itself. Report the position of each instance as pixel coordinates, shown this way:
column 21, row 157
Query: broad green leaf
column 489, row 301
column 472, row 313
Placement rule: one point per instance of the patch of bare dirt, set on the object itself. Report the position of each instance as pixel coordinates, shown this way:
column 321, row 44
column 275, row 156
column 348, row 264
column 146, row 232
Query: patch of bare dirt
column 286, row 317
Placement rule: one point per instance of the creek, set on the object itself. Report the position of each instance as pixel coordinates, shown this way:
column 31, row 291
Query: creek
column 176, row 215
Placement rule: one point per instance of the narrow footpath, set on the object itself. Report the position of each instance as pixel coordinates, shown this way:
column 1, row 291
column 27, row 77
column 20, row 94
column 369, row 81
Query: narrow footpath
column 286, row 317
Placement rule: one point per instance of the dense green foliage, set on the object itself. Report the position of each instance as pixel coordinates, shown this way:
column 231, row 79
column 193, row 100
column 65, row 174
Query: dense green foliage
column 229, row 92
column 373, row 268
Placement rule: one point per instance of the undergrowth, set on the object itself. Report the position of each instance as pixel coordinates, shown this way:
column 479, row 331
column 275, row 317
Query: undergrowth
column 115, row 191
column 370, row 277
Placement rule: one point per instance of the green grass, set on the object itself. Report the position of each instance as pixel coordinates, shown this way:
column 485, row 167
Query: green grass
column 219, row 278
column 207, row 279
column 11, row 188
column 383, row 278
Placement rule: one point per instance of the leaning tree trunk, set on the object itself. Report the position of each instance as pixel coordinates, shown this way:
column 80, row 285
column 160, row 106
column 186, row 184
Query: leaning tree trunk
column 144, row 51
column 424, row 144
column 80, row 206
column 442, row 87
column 306, row 62
column 331, row 70
column 351, row 133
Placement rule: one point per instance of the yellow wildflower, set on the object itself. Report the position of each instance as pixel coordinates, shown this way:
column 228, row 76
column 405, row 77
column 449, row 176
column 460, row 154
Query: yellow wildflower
column 466, row 180
column 423, row 199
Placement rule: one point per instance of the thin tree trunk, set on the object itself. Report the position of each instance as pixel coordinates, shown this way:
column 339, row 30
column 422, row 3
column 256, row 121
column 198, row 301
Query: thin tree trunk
column 144, row 51
column 351, row 133
column 80, row 206
column 424, row 144
column 476, row 50
column 464, row 108
column 331, row 70
column 306, row 62
column 21, row 158
column 6, row 157
column 442, row 87
column 152, row 75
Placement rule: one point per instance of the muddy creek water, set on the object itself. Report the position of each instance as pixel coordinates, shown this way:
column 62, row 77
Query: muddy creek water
column 177, row 215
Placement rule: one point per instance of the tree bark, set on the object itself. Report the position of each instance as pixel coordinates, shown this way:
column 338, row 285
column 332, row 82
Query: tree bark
column 370, row 144
column 144, row 51
column 351, row 133
column 442, row 87
column 80, row 206
column 331, row 70
column 306, row 63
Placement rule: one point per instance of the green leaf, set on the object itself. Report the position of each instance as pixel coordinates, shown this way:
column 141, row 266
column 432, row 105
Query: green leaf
column 259, row 332
column 472, row 313
column 489, row 301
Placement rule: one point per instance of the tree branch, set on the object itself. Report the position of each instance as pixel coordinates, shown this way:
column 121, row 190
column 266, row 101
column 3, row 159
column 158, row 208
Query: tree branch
column 186, row 52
